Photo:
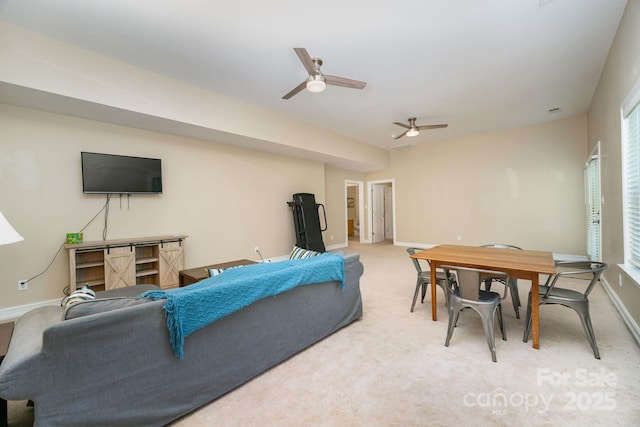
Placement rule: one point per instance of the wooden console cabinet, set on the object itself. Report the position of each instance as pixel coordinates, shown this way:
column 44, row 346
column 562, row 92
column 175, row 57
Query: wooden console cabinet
column 111, row 264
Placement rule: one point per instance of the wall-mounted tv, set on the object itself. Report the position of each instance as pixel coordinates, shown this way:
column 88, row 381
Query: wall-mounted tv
column 110, row 173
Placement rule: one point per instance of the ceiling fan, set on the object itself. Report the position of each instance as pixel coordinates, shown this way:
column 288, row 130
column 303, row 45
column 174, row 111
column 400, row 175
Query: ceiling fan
column 413, row 130
column 317, row 82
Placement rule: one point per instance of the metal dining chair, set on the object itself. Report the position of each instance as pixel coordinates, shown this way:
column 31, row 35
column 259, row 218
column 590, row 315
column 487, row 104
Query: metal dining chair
column 466, row 293
column 576, row 300
column 513, row 283
column 424, row 278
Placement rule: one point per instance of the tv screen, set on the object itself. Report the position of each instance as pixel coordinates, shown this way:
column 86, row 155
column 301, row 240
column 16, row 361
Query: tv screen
column 109, row 173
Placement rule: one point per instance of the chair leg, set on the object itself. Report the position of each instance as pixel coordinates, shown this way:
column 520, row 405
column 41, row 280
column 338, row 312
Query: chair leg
column 453, row 319
column 527, row 321
column 415, row 294
column 487, row 325
column 514, row 291
column 515, row 297
column 444, row 291
column 585, row 318
column 501, row 323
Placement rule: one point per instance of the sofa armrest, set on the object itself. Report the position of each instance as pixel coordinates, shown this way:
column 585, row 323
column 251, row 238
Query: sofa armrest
column 22, row 365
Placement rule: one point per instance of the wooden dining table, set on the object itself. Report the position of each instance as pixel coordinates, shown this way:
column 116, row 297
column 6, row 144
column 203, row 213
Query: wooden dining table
column 519, row 264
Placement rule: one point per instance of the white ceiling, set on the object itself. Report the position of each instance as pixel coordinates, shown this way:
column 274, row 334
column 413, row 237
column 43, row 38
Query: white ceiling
column 478, row 65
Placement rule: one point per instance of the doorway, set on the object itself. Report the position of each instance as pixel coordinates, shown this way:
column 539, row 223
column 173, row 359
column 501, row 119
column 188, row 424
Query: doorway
column 383, row 206
column 354, row 210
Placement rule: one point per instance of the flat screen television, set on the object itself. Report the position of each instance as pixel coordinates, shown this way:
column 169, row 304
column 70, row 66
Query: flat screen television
column 110, row 173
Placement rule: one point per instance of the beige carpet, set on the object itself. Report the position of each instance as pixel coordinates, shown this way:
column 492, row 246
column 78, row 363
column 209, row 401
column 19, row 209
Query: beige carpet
column 392, row 369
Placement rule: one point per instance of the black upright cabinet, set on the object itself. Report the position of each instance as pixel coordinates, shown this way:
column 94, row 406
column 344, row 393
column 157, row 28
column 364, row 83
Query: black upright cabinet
column 306, row 219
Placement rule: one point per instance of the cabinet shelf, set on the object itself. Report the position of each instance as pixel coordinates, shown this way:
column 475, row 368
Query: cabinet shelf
column 90, row 264
column 146, row 272
column 111, row 264
column 147, row 260
column 90, row 283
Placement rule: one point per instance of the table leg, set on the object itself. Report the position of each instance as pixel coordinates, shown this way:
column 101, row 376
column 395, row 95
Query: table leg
column 535, row 307
column 434, row 305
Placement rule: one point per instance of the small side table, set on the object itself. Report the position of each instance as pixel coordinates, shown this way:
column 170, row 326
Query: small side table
column 193, row 275
column 6, row 330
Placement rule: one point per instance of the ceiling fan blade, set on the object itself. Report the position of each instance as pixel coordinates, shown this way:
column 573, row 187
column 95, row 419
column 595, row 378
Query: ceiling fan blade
column 401, row 135
column 341, row 81
column 432, row 126
column 306, row 60
column 297, row 90
column 402, row 124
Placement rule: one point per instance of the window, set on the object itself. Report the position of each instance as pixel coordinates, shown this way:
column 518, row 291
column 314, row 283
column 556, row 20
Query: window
column 592, row 202
column 631, row 175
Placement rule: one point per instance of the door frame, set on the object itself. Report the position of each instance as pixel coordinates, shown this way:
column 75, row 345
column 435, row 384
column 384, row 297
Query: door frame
column 370, row 193
column 360, row 185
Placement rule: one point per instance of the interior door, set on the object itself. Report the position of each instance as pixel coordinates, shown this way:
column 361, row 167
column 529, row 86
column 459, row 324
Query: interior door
column 388, row 212
column 378, row 213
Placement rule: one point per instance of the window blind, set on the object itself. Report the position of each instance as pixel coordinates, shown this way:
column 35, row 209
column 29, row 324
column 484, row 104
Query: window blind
column 632, row 183
column 592, row 193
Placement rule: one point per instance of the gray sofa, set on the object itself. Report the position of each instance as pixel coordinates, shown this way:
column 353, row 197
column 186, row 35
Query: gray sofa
column 116, row 367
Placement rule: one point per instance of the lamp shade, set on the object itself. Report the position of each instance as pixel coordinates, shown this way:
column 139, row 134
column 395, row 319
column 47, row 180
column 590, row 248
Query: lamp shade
column 413, row 132
column 7, row 233
column 316, row 84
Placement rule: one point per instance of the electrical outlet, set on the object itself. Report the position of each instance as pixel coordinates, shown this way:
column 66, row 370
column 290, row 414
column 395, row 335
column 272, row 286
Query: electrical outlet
column 23, row 285
column 619, row 279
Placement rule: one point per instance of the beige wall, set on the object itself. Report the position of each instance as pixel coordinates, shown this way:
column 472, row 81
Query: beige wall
column 621, row 73
column 336, row 194
column 228, row 200
column 67, row 79
column 519, row 186
column 522, row 186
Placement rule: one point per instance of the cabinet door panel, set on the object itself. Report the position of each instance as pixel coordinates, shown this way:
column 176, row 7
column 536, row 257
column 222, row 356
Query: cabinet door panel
column 171, row 262
column 119, row 267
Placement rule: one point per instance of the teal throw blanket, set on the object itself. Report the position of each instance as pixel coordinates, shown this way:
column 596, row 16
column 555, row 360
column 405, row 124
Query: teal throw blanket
column 193, row 307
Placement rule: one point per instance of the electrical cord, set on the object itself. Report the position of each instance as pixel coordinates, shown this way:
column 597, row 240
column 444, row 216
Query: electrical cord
column 104, row 233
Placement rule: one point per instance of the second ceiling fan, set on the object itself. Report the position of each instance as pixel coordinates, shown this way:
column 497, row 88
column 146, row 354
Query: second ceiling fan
column 316, row 82
column 413, row 130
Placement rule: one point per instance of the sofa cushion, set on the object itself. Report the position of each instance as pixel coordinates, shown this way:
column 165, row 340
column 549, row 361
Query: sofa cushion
column 127, row 291
column 99, row 305
column 300, row 253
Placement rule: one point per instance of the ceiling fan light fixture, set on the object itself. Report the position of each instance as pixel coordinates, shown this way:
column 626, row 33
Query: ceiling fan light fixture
column 413, row 132
column 316, row 84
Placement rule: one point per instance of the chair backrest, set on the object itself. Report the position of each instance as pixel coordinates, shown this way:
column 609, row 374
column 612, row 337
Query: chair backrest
column 469, row 279
column 580, row 267
column 501, row 246
column 416, row 264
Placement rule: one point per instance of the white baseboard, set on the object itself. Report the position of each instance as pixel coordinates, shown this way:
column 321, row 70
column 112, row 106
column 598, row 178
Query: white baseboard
column 12, row 313
column 336, row 246
column 633, row 326
column 414, row 245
